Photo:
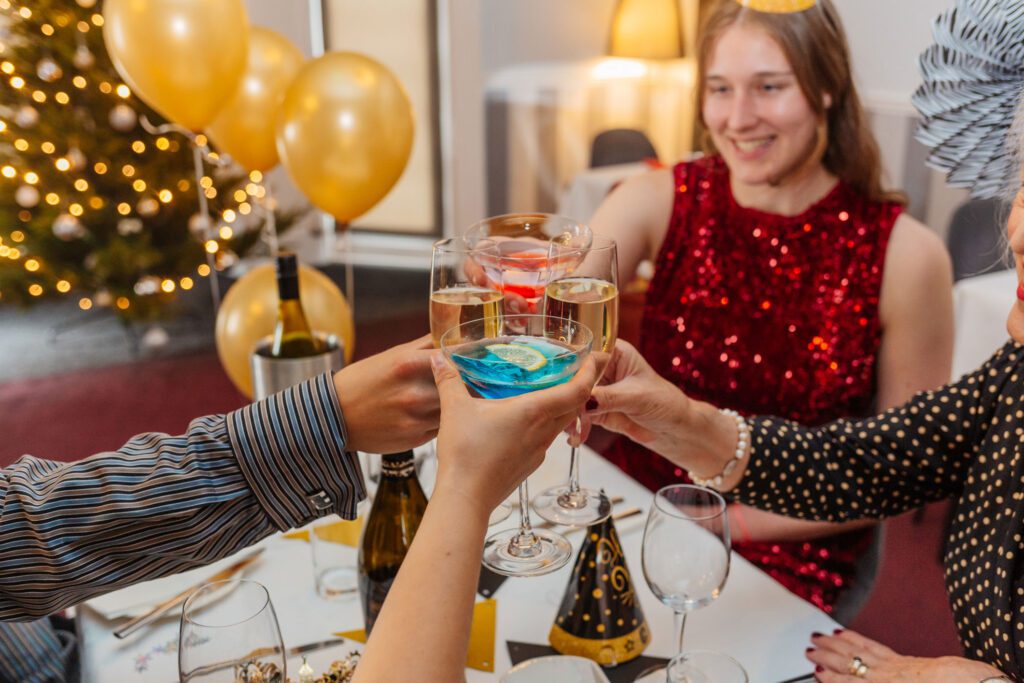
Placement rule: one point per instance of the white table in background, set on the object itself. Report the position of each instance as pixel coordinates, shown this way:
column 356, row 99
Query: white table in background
column 755, row 620
column 981, row 304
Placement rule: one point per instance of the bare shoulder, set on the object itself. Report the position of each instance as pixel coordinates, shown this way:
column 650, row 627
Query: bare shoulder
column 915, row 249
column 917, row 264
column 639, row 205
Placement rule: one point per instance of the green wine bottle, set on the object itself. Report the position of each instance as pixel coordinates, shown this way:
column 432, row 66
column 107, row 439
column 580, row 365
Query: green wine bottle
column 394, row 518
column 293, row 338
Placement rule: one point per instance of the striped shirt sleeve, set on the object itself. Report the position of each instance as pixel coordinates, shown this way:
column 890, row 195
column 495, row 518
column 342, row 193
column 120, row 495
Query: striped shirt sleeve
column 162, row 504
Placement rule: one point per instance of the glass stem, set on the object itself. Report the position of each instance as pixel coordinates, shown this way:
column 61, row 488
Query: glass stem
column 574, row 464
column 525, row 539
column 680, row 620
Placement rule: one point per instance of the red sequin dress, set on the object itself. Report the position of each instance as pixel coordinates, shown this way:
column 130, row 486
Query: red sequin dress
column 768, row 315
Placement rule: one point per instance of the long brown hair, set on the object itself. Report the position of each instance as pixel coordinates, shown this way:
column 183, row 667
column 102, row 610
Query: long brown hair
column 815, row 46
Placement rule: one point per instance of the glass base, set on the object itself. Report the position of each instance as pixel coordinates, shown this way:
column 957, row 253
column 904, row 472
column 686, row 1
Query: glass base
column 583, row 508
column 500, row 513
column 336, row 582
column 504, row 554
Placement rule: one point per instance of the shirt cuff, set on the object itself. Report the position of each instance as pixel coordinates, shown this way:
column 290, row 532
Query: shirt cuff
column 291, row 449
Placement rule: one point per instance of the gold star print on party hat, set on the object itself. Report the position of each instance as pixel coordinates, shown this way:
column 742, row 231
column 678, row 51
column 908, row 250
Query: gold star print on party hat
column 600, row 617
column 481, row 636
column 778, row 6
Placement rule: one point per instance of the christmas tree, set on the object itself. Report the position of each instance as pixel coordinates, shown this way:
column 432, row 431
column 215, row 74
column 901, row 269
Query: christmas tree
column 92, row 206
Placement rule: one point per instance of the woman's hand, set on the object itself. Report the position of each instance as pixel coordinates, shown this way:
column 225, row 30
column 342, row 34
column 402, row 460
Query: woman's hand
column 833, row 656
column 638, row 402
column 486, row 447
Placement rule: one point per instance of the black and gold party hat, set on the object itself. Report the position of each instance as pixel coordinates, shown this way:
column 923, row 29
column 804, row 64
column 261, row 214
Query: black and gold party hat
column 600, row 617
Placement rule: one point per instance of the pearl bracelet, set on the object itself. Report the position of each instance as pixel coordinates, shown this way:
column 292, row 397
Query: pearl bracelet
column 743, row 430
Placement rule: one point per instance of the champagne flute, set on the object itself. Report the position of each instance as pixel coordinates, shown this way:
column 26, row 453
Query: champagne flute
column 702, row 666
column 229, row 633
column 686, row 551
column 460, row 292
column 526, row 353
column 588, row 293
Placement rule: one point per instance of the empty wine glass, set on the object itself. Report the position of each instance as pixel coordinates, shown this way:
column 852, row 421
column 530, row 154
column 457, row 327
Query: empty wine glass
column 525, row 353
column 229, row 633
column 588, row 293
column 686, row 550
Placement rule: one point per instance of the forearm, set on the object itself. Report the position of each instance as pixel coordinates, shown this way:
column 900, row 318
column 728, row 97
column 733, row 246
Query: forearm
column 162, row 504
column 436, row 586
column 753, row 525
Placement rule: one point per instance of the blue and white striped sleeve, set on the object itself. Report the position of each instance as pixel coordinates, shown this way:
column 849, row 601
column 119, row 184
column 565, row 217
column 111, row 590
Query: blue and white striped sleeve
column 162, row 504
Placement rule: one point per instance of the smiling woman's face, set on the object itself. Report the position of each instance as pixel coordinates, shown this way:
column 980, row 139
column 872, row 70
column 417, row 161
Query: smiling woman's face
column 1015, row 232
column 754, row 109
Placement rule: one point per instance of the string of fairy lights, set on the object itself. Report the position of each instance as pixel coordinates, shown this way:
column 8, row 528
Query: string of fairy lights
column 78, row 197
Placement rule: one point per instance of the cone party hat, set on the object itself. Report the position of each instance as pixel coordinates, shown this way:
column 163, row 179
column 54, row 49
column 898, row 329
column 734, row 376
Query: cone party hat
column 600, row 617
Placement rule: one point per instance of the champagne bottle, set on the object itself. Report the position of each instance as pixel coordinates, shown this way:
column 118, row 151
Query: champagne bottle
column 394, row 518
column 293, row 337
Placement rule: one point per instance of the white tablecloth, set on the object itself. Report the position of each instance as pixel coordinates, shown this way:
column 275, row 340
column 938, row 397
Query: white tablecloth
column 755, row 620
column 981, row 305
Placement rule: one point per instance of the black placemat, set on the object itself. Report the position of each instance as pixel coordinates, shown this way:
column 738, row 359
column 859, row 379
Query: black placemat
column 489, row 582
column 623, row 673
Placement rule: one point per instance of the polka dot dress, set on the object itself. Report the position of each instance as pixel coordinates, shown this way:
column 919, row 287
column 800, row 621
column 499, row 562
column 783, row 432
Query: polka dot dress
column 963, row 442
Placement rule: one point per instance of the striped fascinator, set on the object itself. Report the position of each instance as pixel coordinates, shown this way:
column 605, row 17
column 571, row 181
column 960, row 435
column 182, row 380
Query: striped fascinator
column 973, row 80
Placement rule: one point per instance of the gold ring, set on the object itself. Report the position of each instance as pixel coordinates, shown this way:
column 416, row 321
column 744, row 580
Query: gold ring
column 857, row 668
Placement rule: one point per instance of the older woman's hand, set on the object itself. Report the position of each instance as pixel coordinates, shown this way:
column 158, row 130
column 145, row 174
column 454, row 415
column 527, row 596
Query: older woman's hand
column 837, row 658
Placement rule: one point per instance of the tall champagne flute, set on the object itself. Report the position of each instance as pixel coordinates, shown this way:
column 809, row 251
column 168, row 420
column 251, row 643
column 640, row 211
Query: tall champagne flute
column 229, row 634
column 527, row 353
column 588, row 293
column 460, row 292
column 686, row 550
column 513, row 252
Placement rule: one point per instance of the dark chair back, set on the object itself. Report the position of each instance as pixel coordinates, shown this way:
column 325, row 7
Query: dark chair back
column 620, row 146
column 976, row 238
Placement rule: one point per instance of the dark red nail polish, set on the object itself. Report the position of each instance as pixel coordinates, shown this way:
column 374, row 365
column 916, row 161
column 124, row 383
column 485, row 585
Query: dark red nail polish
column 591, row 404
column 809, row 650
column 817, row 634
column 818, row 669
column 837, row 631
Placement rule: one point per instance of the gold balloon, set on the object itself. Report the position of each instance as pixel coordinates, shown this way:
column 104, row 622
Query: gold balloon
column 344, row 132
column 249, row 310
column 183, row 57
column 244, row 128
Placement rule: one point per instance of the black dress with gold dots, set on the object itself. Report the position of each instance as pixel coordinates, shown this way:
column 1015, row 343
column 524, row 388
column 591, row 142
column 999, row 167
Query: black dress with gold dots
column 963, row 442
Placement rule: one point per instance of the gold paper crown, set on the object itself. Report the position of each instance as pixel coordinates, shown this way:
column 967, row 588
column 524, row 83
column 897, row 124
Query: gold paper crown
column 778, row 6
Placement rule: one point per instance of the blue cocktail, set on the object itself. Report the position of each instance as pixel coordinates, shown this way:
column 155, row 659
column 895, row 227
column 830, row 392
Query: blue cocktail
column 523, row 353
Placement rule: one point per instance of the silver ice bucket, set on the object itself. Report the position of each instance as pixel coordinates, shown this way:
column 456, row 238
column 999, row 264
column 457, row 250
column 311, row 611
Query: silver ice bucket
column 271, row 375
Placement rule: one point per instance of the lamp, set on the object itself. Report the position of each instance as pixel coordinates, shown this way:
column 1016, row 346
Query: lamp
column 647, row 29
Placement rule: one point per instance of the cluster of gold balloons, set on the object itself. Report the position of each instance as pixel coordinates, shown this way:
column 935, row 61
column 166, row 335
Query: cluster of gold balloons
column 341, row 125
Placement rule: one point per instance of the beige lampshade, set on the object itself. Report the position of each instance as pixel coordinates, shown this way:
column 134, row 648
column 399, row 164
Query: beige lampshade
column 647, row 29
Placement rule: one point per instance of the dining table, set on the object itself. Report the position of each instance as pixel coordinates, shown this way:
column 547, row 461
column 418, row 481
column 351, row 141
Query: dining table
column 755, row 620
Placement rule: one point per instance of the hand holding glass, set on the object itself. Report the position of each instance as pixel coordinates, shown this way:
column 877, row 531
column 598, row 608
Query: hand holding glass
column 523, row 353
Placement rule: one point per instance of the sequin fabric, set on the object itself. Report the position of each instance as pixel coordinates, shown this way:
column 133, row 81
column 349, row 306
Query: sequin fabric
column 768, row 315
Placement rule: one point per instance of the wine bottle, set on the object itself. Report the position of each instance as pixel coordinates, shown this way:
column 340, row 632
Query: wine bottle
column 293, row 337
column 394, row 518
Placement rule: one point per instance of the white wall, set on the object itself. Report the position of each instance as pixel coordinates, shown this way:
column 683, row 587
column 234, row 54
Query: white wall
column 886, row 37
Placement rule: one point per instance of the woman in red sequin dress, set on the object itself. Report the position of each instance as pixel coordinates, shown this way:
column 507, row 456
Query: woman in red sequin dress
column 787, row 281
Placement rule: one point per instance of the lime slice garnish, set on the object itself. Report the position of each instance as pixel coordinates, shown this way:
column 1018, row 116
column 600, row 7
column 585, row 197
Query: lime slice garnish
column 520, row 355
